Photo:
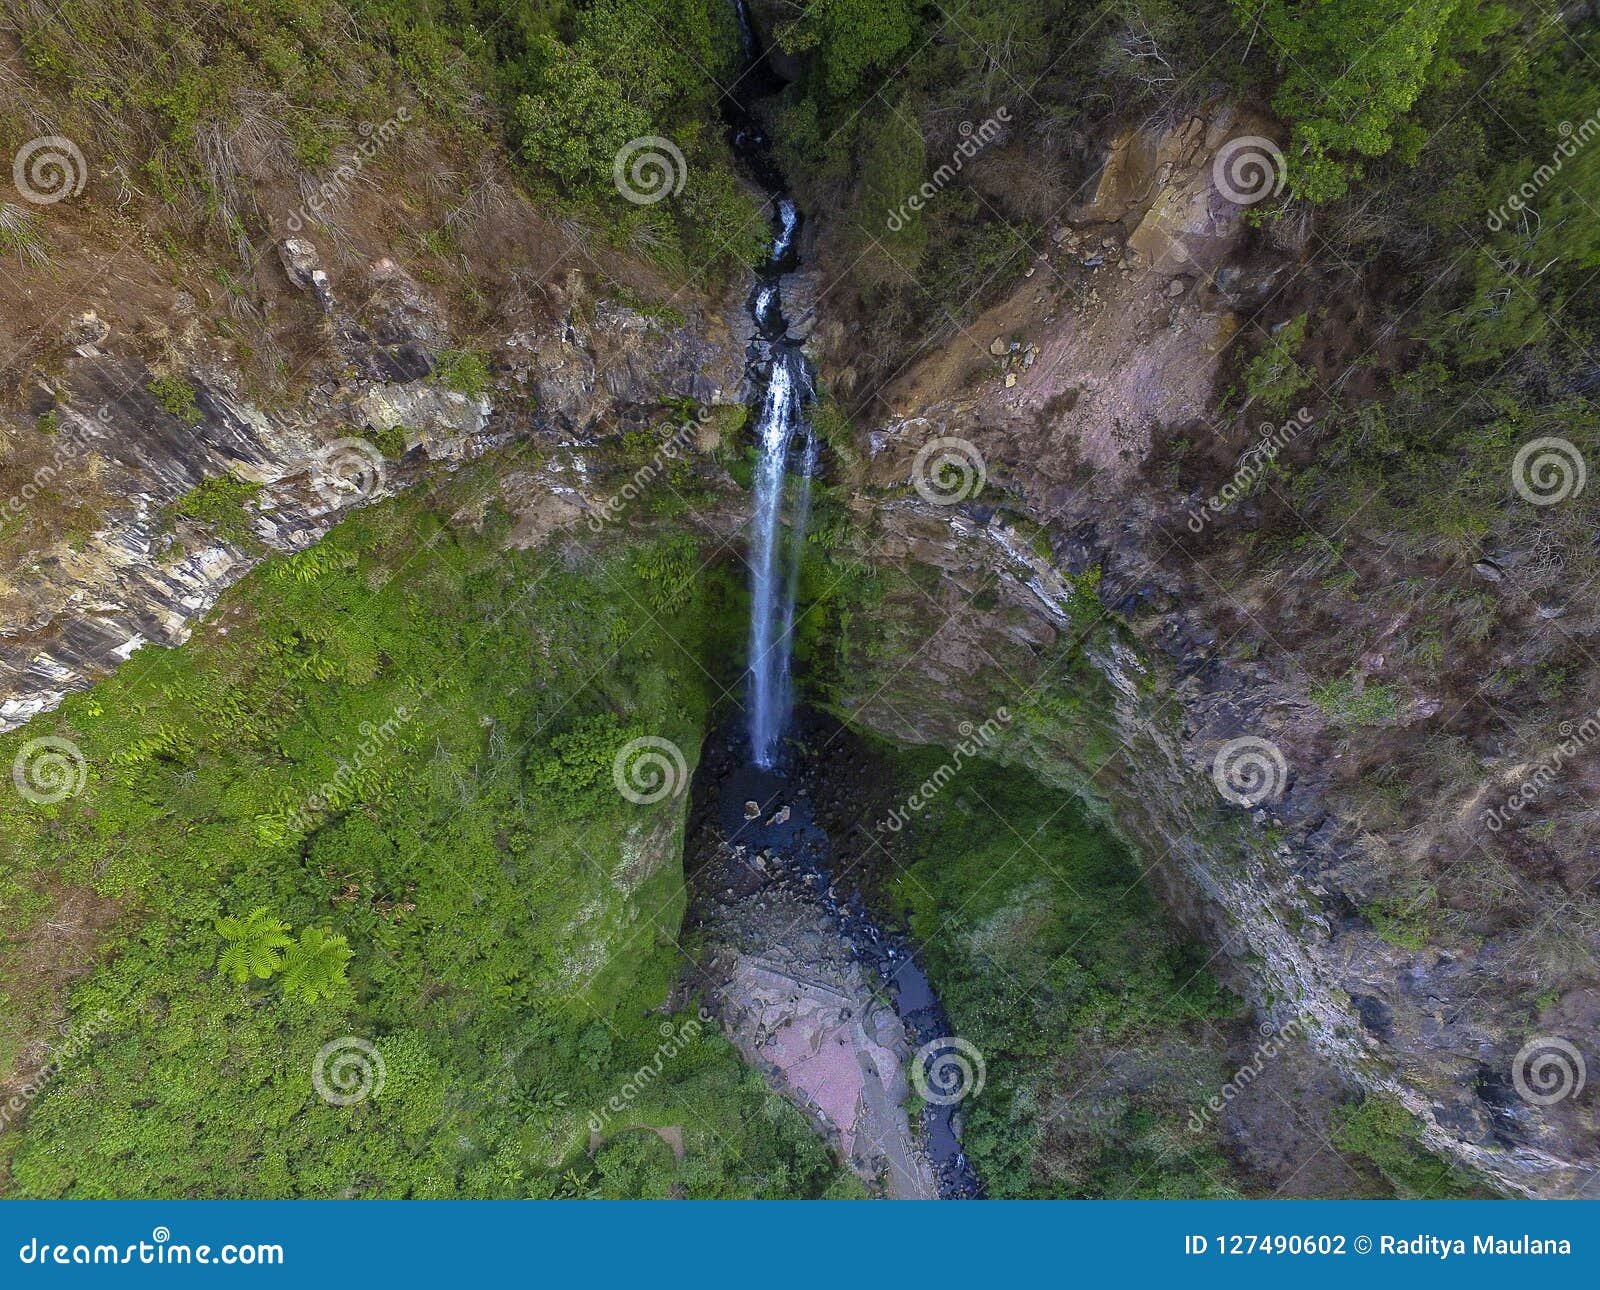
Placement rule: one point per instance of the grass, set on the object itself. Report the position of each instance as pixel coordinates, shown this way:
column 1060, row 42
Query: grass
column 1349, row 703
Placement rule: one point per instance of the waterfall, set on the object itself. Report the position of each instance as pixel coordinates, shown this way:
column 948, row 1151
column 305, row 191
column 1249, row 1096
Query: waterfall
column 774, row 580
column 780, row 420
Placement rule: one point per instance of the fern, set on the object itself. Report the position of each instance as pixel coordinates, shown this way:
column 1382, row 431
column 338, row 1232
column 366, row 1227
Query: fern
column 313, row 967
column 251, row 945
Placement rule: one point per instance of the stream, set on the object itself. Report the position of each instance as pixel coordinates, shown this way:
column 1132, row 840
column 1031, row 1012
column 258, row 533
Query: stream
column 796, row 962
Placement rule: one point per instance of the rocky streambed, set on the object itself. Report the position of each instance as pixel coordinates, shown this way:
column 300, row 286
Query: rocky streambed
column 829, row 1005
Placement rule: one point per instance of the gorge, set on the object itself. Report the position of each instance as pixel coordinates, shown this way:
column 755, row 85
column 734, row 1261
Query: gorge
column 677, row 728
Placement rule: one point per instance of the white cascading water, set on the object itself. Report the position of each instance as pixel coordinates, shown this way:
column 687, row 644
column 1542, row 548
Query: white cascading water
column 780, row 420
column 773, row 580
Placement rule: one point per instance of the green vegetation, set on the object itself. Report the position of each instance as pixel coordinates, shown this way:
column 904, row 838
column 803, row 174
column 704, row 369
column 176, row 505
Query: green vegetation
column 1351, row 703
column 979, row 105
column 1352, row 70
column 252, row 945
column 221, row 502
column 165, row 98
column 1273, row 379
column 1382, row 1135
column 591, row 109
column 349, row 761
column 1095, row 1015
column 20, row 237
column 466, row 371
column 175, row 396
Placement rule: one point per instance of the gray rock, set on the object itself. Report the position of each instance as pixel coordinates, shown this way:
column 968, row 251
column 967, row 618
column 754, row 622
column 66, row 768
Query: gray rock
column 304, row 268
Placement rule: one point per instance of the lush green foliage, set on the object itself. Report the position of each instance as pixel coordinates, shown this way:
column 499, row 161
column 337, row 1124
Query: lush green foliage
column 1351, row 70
column 252, row 945
column 1383, row 1135
column 635, row 70
column 349, row 759
column 1052, row 957
column 851, row 38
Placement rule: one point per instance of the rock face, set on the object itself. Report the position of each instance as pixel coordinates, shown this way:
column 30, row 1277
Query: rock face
column 1086, row 617
column 1120, row 331
column 1130, row 717
column 75, row 606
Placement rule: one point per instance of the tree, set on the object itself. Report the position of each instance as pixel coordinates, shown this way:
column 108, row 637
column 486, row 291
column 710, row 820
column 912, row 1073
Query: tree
column 1352, row 69
column 851, row 37
column 252, row 945
column 313, row 967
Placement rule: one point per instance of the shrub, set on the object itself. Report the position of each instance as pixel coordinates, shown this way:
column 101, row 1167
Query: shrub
column 219, row 502
column 465, row 371
column 175, row 396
